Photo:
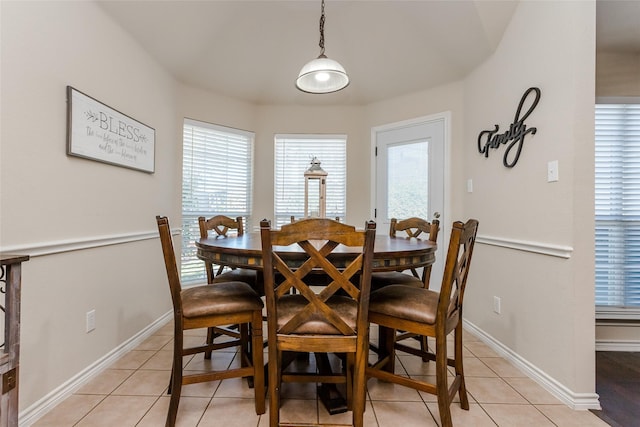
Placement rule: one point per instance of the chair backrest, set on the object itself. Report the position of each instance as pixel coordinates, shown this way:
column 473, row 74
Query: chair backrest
column 293, row 218
column 170, row 263
column 414, row 227
column 318, row 238
column 456, row 270
column 221, row 225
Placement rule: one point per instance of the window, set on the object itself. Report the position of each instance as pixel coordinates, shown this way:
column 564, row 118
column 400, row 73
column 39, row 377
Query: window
column 217, row 165
column 293, row 154
column 617, row 209
column 408, row 179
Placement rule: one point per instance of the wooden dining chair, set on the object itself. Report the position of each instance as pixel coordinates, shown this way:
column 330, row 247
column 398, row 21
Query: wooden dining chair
column 429, row 313
column 293, row 218
column 207, row 306
column 330, row 319
column 413, row 228
column 219, row 226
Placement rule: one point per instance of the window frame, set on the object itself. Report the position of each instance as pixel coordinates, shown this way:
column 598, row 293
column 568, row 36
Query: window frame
column 613, row 312
column 220, row 151
column 322, row 146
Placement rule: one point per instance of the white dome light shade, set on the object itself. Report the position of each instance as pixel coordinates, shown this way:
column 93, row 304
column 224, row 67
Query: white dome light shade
column 322, row 75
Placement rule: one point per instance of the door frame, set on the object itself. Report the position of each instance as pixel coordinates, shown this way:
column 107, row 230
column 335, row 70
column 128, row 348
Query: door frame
column 445, row 118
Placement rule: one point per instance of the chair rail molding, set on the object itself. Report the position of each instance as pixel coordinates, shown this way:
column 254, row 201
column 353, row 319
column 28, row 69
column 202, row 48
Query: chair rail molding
column 60, row 246
column 541, row 248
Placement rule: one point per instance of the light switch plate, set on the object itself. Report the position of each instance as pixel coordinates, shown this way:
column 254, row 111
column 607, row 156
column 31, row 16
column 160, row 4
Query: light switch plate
column 552, row 171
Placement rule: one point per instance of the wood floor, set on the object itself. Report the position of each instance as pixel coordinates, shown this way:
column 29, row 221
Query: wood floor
column 618, row 384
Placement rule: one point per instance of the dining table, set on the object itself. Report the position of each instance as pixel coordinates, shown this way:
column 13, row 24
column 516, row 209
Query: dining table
column 390, row 254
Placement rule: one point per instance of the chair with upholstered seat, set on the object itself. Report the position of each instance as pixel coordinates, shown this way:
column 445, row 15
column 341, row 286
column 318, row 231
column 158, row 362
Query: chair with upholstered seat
column 222, row 225
column 429, row 313
column 414, row 228
column 208, row 306
column 329, row 319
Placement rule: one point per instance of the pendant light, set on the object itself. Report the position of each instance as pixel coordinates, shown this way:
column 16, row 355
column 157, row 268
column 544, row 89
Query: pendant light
column 322, row 75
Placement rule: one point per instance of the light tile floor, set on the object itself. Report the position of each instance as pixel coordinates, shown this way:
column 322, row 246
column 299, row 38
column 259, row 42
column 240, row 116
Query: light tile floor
column 132, row 392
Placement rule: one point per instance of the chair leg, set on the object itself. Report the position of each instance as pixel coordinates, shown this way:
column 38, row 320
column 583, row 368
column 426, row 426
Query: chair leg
column 350, row 379
column 275, row 361
column 210, row 338
column 442, row 387
column 386, row 345
column 424, row 347
column 210, row 331
column 244, row 343
column 258, row 363
column 170, row 381
column 359, row 388
column 458, row 363
column 426, row 275
column 175, row 383
column 424, row 344
column 175, row 398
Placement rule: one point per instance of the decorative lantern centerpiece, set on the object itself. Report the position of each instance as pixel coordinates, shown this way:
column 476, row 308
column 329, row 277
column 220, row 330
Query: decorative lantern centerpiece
column 315, row 190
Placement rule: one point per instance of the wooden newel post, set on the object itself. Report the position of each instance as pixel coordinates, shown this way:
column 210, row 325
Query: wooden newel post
column 10, row 278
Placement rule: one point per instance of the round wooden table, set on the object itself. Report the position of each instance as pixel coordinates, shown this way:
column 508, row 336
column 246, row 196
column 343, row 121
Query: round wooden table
column 390, row 253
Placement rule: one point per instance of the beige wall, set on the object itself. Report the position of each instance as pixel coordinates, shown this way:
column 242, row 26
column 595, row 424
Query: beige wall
column 547, row 313
column 617, row 74
column 48, row 198
column 295, row 119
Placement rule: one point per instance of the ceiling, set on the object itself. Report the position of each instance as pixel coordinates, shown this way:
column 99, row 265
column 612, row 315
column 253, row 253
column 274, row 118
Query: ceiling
column 253, row 50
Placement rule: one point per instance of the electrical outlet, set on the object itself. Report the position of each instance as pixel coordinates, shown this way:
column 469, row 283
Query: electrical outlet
column 91, row 320
column 496, row 304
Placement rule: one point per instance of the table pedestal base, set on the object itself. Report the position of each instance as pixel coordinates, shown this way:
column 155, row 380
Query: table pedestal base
column 329, row 394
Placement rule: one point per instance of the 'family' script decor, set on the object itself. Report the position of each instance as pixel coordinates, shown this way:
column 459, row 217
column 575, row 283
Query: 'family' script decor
column 512, row 138
column 98, row 132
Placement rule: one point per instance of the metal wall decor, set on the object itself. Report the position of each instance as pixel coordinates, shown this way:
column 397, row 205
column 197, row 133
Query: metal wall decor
column 512, row 138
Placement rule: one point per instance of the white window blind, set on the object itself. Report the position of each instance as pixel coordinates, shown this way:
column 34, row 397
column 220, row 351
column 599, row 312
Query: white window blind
column 217, row 165
column 293, row 154
column 617, row 207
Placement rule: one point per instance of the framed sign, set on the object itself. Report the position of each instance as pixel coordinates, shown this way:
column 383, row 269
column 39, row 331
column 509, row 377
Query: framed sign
column 98, row 132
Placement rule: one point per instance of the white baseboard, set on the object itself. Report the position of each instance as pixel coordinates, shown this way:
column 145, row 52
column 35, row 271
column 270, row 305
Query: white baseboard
column 34, row 412
column 577, row 401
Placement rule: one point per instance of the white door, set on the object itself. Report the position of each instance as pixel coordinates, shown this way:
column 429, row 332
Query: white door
column 409, row 176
